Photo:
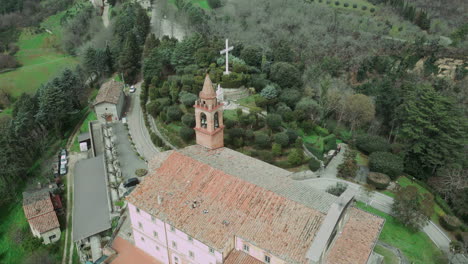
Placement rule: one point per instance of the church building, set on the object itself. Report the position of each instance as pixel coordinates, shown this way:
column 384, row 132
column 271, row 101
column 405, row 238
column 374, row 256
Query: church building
column 208, row 204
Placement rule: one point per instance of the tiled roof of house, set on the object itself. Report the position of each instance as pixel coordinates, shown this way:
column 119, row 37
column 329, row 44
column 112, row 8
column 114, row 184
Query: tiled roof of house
column 40, row 213
column 45, row 222
column 110, row 93
column 212, row 205
column 239, row 257
column 357, row 238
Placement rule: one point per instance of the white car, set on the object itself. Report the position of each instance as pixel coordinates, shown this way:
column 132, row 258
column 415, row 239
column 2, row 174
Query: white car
column 63, row 160
column 132, row 89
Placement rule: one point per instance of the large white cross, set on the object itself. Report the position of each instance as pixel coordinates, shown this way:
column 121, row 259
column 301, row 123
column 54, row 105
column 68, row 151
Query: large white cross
column 226, row 51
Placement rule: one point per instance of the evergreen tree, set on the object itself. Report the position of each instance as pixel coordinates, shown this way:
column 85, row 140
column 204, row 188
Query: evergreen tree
column 150, row 43
column 142, row 25
column 432, row 128
column 129, row 59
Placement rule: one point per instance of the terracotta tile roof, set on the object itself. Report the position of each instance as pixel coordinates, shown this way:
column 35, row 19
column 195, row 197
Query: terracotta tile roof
column 239, row 257
column 129, row 253
column 45, row 222
column 214, row 206
column 40, row 213
column 356, row 242
column 109, row 92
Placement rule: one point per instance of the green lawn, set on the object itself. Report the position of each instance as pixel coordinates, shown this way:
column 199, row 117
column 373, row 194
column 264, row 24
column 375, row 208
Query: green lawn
column 11, row 218
column 416, row 246
column 248, row 101
column 201, row 3
column 362, row 159
column 230, row 114
column 389, row 257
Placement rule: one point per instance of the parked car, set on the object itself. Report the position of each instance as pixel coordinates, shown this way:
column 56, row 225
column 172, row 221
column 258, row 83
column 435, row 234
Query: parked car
column 132, row 89
column 131, row 182
column 63, row 169
column 63, row 160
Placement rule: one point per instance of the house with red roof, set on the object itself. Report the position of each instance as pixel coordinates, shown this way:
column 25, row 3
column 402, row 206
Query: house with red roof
column 39, row 208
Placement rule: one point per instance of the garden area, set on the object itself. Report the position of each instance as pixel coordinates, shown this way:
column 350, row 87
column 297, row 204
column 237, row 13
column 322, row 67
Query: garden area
column 409, row 242
column 357, row 5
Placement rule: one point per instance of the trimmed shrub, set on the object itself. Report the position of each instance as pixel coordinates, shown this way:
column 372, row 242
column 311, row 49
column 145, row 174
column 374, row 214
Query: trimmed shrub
column 345, row 4
column 370, row 143
column 292, row 135
column 274, row 121
column 450, row 222
column 173, row 113
column 282, row 139
column 262, row 140
column 141, row 172
column 372, row 10
column 276, row 149
column 378, row 180
column 314, row 164
column 337, row 3
column 188, row 120
column 321, row 131
column 364, row 8
column 295, row 157
column 188, row 99
column 186, row 133
column 338, row 189
column 354, row 6
column 387, row 163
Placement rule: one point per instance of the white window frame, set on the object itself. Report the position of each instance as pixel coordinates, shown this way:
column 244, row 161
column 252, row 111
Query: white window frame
column 246, row 248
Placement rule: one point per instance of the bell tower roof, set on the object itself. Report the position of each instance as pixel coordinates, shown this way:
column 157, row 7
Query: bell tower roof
column 207, row 91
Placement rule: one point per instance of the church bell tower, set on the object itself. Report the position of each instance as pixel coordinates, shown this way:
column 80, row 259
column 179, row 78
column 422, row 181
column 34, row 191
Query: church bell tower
column 209, row 126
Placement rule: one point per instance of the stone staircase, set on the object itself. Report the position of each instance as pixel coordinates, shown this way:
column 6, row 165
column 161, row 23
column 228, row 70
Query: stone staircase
column 233, row 94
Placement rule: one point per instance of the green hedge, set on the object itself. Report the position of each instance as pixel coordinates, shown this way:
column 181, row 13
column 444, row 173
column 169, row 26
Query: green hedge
column 314, row 164
column 321, row 131
column 449, row 222
column 329, row 142
column 370, row 143
column 387, row 163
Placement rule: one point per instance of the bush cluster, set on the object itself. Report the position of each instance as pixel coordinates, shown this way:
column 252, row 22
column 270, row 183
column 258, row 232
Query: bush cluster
column 370, row 143
column 321, row 131
column 329, row 142
column 387, row 163
column 314, row 164
column 141, row 172
column 338, row 189
column 449, row 222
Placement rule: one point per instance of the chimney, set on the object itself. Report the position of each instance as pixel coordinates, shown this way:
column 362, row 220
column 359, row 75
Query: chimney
column 160, row 199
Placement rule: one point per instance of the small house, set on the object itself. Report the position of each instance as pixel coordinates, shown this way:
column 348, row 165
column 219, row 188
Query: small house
column 109, row 102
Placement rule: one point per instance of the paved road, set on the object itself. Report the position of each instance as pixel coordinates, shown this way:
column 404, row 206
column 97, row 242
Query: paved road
column 383, row 203
column 137, row 128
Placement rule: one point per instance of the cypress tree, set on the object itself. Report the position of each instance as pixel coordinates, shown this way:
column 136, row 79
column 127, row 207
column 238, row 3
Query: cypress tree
column 129, row 59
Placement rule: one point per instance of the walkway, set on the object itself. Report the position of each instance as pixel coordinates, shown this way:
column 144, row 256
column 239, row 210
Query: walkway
column 137, row 128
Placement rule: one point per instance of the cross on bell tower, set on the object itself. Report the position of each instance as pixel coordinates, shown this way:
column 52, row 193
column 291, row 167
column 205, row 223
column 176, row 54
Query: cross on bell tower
column 209, row 126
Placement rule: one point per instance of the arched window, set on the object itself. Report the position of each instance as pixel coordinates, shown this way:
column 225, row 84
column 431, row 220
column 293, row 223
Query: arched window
column 216, row 120
column 203, row 120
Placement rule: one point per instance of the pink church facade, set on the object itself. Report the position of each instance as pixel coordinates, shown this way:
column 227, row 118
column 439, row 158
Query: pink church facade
column 168, row 244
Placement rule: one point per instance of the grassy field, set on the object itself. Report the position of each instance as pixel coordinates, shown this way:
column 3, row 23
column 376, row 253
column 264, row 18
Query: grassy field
column 39, row 56
column 416, row 246
column 11, row 218
column 230, row 114
column 248, row 101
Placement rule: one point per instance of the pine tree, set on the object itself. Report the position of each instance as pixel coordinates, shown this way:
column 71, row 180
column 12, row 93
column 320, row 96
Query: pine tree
column 142, row 25
column 129, row 60
column 150, row 43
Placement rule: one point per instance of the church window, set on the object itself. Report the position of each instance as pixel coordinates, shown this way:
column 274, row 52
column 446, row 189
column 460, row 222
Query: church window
column 143, row 239
column 211, row 251
column 216, row 120
column 174, row 244
column 267, row 259
column 172, row 229
column 153, row 219
column 191, row 254
column 190, row 238
column 140, row 225
column 203, row 120
column 138, row 210
column 155, row 234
